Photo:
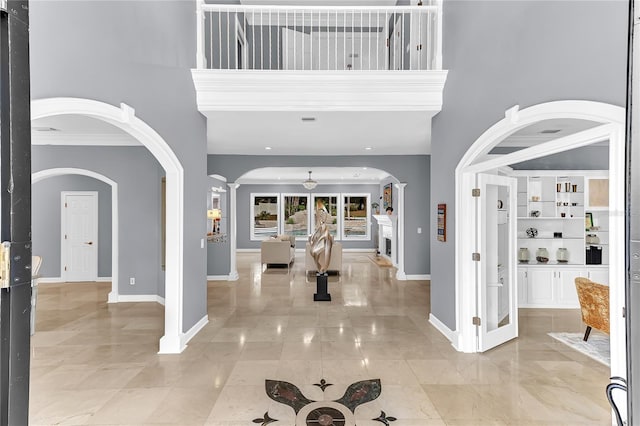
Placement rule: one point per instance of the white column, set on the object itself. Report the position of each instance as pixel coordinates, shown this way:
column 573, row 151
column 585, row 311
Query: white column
column 233, row 220
column 400, row 274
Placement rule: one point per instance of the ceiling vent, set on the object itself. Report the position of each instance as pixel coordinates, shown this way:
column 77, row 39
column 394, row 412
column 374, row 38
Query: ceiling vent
column 308, row 119
column 550, row 131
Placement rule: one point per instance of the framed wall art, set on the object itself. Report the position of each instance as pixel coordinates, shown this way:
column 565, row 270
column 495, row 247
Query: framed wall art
column 387, row 197
column 442, row 222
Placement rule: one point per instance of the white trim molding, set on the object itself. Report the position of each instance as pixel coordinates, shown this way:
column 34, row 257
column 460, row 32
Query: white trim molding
column 419, row 277
column 219, row 278
column 103, row 279
column 50, row 280
column 125, row 119
column 48, row 173
column 612, row 119
column 263, row 90
column 140, row 298
column 189, row 334
column 442, row 328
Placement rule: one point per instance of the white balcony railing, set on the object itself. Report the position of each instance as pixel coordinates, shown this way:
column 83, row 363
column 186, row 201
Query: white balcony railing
column 234, row 37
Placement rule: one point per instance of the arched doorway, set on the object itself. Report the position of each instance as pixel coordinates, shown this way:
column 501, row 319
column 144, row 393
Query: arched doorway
column 259, row 175
column 611, row 128
column 49, row 173
column 125, row 119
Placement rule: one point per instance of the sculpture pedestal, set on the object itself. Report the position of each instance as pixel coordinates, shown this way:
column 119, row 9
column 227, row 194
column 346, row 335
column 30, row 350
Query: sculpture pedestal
column 321, row 288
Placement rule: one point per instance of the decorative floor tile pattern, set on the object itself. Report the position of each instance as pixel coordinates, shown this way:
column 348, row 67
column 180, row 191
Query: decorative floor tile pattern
column 97, row 363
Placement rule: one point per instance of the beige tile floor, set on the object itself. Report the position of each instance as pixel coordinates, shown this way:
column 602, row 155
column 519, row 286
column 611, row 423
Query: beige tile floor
column 94, row 363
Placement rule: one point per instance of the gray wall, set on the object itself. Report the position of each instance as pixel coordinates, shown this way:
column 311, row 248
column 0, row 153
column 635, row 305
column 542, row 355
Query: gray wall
column 245, row 203
column 46, row 221
column 500, row 54
column 141, row 54
column 138, row 176
column 413, row 169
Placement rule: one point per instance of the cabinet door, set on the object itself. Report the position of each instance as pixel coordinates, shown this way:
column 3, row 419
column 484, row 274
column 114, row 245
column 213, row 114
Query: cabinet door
column 599, row 275
column 522, row 287
column 566, row 295
column 540, row 286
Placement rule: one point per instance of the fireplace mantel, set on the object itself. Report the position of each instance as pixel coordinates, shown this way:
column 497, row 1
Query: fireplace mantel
column 388, row 228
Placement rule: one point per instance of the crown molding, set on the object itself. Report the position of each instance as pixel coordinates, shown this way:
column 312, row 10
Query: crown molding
column 82, row 139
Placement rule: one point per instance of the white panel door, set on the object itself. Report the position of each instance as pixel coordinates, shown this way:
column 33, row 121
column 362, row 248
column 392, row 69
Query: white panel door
column 497, row 278
column 79, row 236
column 296, row 48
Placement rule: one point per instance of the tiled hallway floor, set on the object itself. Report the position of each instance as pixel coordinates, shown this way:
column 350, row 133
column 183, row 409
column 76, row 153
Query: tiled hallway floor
column 94, row 363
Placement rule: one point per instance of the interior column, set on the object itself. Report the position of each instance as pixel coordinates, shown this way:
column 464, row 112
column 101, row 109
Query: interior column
column 400, row 274
column 233, row 234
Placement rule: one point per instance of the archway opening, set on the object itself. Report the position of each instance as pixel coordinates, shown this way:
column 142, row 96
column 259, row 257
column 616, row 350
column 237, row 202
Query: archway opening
column 125, row 119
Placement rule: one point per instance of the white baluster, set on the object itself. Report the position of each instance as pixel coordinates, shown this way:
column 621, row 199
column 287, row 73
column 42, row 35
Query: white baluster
column 228, row 38
column 253, row 37
column 270, row 53
column 278, row 40
column 261, row 41
column 220, row 39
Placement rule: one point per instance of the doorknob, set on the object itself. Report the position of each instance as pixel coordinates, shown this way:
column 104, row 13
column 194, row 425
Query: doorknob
column 90, row 243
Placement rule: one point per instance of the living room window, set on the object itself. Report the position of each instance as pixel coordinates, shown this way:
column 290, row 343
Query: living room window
column 356, row 217
column 295, row 215
column 330, row 201
column 265, row 210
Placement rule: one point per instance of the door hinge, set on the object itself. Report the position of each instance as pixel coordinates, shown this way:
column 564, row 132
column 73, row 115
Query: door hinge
column 475, row 257
column 5, row 264
column 65, row 269
column 65, row 205
column 387, row 42
column 65, row 236
column 476, row 321
column 624, row 312
column 475, row 192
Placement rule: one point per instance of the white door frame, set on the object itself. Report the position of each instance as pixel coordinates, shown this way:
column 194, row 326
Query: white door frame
column 48, row 173
column 63, row 228
column 613, row 119
column 175, row 338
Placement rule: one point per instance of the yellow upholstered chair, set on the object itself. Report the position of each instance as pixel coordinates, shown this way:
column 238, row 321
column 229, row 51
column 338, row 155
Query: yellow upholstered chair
column 594, row 305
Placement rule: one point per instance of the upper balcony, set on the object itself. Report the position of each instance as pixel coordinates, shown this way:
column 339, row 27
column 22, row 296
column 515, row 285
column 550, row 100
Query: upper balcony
column 319, row 58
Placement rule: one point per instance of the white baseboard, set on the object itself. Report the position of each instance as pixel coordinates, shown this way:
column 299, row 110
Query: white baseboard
column 359, row 250
column 419, row 277
column 184, row 338
column 218, row 278
column 103, row 279
column 249, row 250
column 451, row 335
column 130, row 298
column 50, row 280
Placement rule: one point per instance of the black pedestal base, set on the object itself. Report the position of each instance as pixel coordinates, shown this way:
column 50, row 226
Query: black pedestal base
column 321, row 288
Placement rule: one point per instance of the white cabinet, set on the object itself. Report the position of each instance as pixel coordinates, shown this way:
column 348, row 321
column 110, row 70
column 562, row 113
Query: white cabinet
column 540, row 286
column 599, row 275
column 568, row 210
column 548, row 287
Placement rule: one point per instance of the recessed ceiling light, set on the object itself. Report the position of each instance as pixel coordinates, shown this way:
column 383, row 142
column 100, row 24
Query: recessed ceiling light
column 364, row 168
column 45, row 129
column 268, row 148
column 550, row 131
column 368, row 148
column 308, row 119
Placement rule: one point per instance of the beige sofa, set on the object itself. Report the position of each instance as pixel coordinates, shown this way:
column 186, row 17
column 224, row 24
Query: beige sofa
column 335, row 265
column 280, row 250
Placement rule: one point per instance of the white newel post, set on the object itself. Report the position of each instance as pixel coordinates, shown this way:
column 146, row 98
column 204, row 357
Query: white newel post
column 233, row 220
column 400, row 274
column 200, row 59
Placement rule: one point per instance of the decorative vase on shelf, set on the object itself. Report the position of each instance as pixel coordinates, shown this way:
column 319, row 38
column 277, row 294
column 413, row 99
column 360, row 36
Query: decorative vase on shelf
column 542, row 255
column 592, row 239
column 523, row 255
column 531, row 232
column 562, row 255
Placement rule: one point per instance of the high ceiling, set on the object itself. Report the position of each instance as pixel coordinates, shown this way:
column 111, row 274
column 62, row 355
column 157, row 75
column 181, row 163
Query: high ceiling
column 319, row 133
